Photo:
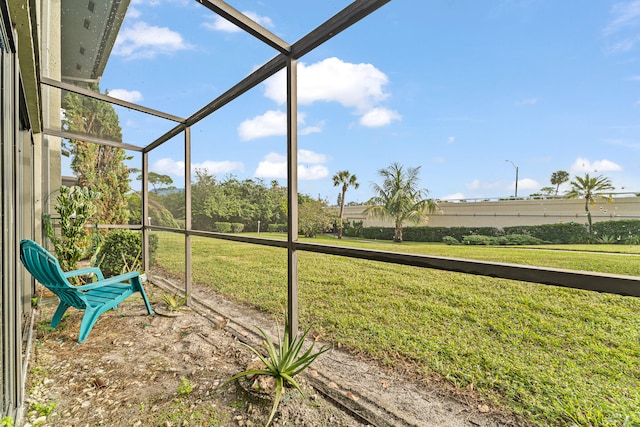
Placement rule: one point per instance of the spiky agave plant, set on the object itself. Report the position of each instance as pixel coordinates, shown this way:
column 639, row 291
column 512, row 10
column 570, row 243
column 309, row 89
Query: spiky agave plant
column 283, row 362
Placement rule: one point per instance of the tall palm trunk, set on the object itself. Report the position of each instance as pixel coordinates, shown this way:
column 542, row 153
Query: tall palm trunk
column 397, row 235
column 340, row 226
column 586, row 208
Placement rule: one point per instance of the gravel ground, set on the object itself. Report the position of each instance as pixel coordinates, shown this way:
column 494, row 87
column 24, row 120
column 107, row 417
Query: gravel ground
column 172, row 370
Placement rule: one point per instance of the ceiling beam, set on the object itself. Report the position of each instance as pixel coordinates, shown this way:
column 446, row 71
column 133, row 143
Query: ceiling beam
column 106, row 98
column 88, row 138
column 342, row 20
column 247, row 24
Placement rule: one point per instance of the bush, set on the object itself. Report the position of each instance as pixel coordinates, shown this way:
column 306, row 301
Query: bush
column 450, row 240
column 378, row 233
column 277, row 228
column 353, row 229
column 121, row 251
column 518, row 239
column 237, row 227
column 428, row 234
column 632, row 240
column 624, row 231
column 75, row 206
column 571, row 232
column 222, row 227
column 479, row 240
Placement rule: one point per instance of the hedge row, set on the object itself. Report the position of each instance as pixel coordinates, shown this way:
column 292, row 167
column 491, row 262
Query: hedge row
column 228, row 227
column 623, row 231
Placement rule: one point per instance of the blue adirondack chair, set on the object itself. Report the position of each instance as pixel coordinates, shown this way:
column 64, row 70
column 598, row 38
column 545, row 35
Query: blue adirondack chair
column 94, row 298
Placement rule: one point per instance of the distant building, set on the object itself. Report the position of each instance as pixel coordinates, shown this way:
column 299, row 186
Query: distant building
column 505, row 213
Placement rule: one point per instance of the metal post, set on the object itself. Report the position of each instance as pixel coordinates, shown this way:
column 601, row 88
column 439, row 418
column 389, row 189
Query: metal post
column 516, row 167
column 146, row 260
column 187, row 210
column 292, row 202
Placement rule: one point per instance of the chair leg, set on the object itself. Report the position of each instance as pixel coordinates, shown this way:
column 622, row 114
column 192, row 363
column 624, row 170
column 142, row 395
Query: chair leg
column 137, row 284
column 57, row 316
column 88, row 320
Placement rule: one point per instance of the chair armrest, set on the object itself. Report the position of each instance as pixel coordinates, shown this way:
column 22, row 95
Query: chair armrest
column 110, row 281
column 82, row 271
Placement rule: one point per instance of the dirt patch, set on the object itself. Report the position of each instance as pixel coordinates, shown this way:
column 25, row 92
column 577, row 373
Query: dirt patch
column 171, row 370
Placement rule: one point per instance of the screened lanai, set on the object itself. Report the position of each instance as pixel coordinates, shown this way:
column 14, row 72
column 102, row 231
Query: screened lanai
column 199, row 135
column 177, row 129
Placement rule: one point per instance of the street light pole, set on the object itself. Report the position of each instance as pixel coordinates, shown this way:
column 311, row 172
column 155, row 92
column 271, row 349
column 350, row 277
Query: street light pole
column 512, row 164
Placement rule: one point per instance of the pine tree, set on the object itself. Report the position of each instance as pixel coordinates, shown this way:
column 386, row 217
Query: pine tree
column 101, row 168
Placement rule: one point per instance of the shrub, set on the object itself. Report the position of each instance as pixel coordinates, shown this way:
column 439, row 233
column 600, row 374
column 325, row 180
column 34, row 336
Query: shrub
column 606, row 239
column 378, row 233
column 632, row 240
column 571, row 232
column 277, row 228
column 121, row 251
column 314, row 218
column 353, row 229
column 450, row 240
column 625, row 230
column 518, row 239
column 75, row 205
column 222, row 227
column 237, row 227
column 478, row 240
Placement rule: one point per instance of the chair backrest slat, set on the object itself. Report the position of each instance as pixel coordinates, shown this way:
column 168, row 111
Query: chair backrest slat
column 46, row 269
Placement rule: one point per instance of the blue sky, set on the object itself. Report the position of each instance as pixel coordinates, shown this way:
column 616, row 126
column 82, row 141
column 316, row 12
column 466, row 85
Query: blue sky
column 457, row 87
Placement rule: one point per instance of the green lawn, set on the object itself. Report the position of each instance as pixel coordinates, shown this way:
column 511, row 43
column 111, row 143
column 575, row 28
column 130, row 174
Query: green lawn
column 556, row 356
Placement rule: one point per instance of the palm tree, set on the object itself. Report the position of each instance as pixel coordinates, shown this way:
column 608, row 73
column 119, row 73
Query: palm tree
column 558, row 178
column 400, row 198
column 347, row 180
column 590, row 189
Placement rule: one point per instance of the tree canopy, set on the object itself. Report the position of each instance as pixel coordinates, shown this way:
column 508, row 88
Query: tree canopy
column 99, row 167
column 345, row 180
column 591, row 188
column 558, row 178
column 400, row 198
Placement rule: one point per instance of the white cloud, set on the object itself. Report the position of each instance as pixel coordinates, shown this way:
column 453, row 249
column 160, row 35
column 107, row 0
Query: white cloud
column 126, row 95
column 477, row 184
column 307, row 156
column 274, row 165
column 474, row 185
column 378, row 117
column 310, row 129
column 360, row 87
column 142, row 40
column 308, row 173
column 169, row 166
column 271, row 123
column 526, row 184
column 623, row 15
column 133, row 12
column 582, row 165
column 455, row 196
column 451, row 140
column 623, row 26
column 217, row 23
